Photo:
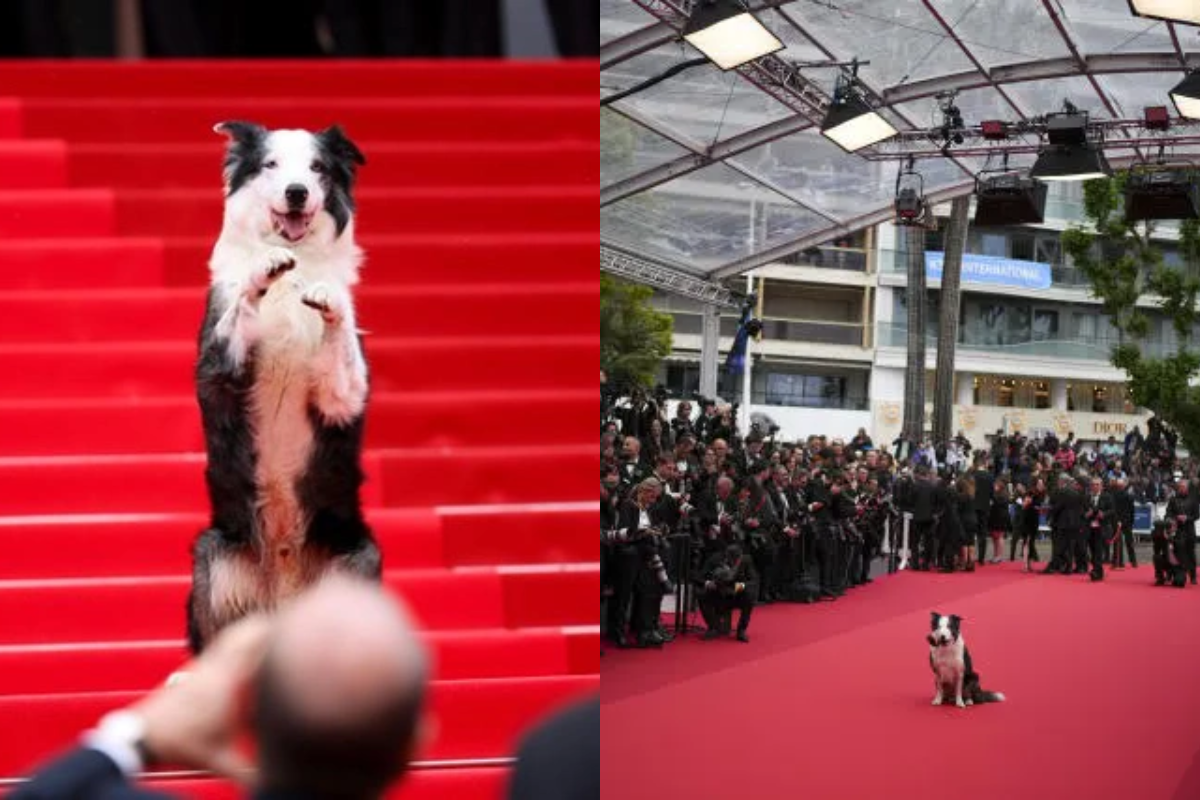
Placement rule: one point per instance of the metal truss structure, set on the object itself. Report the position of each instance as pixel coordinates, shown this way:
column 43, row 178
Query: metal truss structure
column 1012, row 60
column 662, row 276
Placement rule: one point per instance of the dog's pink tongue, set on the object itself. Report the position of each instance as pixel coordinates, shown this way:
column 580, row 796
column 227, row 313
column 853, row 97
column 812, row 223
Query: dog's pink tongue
column 293, row 227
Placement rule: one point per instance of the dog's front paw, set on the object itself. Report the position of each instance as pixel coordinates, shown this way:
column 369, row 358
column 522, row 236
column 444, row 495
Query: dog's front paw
column 278, row 260
column 322, row 298
column 959, row 702
column 937, row 701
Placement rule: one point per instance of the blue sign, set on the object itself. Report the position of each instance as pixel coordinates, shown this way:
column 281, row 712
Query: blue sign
column 993, row 270
column 1143, row 517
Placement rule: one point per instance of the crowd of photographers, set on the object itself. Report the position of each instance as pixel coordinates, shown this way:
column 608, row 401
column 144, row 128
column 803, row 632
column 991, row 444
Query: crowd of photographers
column 749, row 520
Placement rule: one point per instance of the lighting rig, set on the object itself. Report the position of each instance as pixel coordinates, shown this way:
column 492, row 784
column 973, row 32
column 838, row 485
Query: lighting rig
column 910, row 196
column 1007, row 197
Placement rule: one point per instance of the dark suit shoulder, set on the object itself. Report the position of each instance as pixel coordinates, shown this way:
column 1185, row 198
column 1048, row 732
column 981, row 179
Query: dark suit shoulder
column 82, row 774
column 560, row 760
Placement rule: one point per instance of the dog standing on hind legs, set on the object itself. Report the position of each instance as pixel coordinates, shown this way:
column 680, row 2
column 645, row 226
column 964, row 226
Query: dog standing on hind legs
column 281, row 379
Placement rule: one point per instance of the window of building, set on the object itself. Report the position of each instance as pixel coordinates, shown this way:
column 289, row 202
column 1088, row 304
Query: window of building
column 994, row 244
column 1041, row 394
column 1045, row 324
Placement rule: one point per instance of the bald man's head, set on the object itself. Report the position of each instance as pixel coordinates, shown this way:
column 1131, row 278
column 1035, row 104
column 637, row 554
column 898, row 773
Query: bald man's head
column 339, row 697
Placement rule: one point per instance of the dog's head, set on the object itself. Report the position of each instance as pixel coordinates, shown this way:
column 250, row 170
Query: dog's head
column 944, row 630
column 290, row 185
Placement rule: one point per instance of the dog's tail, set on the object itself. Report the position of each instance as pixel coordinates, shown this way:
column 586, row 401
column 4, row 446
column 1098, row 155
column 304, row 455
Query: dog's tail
column 991, row 697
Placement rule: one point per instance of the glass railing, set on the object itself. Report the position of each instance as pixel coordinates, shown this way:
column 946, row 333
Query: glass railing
column 849, row 258
column 837, row 402
column 1093, row 348
column 797, row 330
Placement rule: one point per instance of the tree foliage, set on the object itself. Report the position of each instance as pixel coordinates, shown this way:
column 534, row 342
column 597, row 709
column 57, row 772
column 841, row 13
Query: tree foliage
column 1125, row 266
column 634, row 337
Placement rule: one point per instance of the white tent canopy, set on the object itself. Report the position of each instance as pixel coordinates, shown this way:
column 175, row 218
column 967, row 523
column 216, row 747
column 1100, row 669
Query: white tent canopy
column 709, row 173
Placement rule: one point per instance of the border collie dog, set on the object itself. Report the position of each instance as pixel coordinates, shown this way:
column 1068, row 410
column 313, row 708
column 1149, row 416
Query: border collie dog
column 281, row 379
column 953, row 673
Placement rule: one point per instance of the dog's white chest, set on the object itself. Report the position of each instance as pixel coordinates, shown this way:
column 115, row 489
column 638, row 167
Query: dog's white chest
column 947, row 662
column 283, row 427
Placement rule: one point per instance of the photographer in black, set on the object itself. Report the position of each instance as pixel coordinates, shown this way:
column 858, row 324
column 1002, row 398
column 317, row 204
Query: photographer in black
column 1123, row 504
column 821, row 508
column 789, row 545
column 638, row 572
column 759, row 527
column 849, row 542
column 729, row 581
column 1099, row 517
column 1182, row 509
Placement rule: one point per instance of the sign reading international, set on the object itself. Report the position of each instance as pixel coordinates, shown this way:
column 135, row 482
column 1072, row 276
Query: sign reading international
column 993, row 270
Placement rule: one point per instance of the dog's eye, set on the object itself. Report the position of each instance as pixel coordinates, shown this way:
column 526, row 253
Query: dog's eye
column 317, row 167
column 272, row 164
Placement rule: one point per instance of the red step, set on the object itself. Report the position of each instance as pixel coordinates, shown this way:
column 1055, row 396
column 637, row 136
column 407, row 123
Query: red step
column 475, row 719
column 175, row 314
column 427, row 119
column 82, row 263
column 112, row 426
column 342, row 78
column 389, row 165
column 157, row 369
column 81, row 546
column 423, row 211
column 133, row 609
column 147, row 484
column 33, row 164
column 140, row 666
column 61, row 213
column 470, row 783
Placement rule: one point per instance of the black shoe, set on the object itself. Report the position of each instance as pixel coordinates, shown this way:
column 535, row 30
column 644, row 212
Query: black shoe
column 620, row 643
column 712, row 633
column 742, row 637
column 665, row 635
column 648, row 640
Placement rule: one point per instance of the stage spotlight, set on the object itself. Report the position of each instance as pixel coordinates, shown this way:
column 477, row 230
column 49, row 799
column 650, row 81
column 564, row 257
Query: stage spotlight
column 728, row 34
column 910, row 196
column 1083, row 163
column 1186, row 96
column 1158, row 118
column 1009, row 199
column 851, row 123
column 1185, row 11
column 1162, row 194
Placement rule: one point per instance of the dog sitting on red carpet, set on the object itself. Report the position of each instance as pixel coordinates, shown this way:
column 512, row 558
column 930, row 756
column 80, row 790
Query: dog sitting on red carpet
column 953, row 673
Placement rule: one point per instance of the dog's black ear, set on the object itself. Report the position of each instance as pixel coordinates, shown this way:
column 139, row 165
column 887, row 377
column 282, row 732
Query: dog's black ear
column 934, row 617
column 241, row 132
column 335, row 141
column 955, row 619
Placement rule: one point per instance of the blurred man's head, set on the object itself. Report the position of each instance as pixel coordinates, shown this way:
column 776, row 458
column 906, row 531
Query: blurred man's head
column 338, row 701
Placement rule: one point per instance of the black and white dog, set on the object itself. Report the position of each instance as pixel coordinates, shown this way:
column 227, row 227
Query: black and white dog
column 281, row 379
column 953, row 673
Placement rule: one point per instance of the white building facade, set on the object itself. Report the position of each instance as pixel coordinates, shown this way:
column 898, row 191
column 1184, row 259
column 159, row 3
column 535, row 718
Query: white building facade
column 1033, row 346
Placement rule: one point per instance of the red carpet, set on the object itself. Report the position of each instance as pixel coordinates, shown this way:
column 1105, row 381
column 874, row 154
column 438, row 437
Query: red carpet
column 477, row 215
column 833, row 701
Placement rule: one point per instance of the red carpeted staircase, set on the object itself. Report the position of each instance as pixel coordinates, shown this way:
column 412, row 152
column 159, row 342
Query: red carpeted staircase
column 477, row 212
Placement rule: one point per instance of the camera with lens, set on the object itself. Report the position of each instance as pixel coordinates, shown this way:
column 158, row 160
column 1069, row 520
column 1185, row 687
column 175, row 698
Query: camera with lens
column 724, row 578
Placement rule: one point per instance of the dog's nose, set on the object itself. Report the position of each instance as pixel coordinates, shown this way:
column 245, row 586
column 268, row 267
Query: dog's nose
column 296, row 194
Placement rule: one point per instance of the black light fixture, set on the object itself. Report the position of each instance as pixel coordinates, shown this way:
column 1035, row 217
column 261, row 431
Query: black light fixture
column 1008, row 198
column 1185, row 11
column 1186, row 96
column 1071, row 155
column 1070, row 164
column 1162, row 193
column 850, row 122
column 728, row 34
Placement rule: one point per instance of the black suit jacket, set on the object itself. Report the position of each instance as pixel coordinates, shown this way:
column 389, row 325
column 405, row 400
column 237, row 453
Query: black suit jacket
column 82, row 774
column 560, row 760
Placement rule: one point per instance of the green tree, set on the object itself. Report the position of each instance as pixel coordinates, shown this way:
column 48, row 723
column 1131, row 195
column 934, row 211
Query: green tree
column 634, row 337
column 1124, row 266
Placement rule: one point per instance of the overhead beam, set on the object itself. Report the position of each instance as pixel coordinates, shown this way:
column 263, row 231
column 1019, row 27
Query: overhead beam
column 640, row 269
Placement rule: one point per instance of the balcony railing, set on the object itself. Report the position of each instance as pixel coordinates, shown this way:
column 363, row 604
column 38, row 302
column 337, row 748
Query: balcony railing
column 1092, row 348
column 848, row 258
column 813, row 331
column 836, row 402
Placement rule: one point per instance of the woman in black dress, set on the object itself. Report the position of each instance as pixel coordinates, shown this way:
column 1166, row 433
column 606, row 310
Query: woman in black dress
column 1029, row 520
column 999, row 521
column 968, row 522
